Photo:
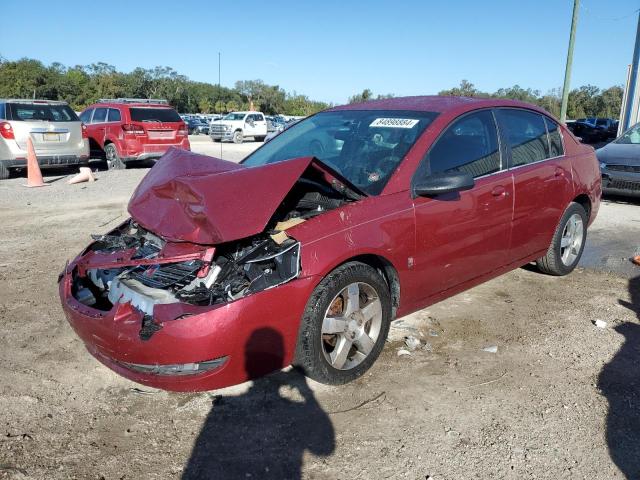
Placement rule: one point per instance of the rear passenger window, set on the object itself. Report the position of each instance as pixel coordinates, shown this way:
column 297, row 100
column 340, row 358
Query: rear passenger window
column 114, row 115
column 100, row 115
column 526, row 134
column 555, row 141
column 470, row 145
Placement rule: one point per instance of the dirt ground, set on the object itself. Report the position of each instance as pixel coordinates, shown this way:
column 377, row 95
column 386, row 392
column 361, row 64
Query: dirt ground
column 559, row 399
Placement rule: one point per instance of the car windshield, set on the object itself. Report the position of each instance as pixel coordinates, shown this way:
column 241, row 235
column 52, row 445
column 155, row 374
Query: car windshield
column 42, row 112
column 631, row 136
column 154, row 115
column 365, row 147
column 234, row 116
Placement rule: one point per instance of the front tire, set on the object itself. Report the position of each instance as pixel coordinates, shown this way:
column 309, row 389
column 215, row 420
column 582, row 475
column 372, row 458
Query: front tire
column 238, row 137
column 344, row 325
column 567, row 244
column 114, row 162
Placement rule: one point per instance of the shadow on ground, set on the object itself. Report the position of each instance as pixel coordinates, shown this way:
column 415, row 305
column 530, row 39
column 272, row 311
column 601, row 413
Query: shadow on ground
column 261, row 434
column 619, row 381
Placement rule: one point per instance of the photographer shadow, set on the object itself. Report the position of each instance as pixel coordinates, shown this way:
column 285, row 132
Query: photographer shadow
column 261, row 434
column 619, row 381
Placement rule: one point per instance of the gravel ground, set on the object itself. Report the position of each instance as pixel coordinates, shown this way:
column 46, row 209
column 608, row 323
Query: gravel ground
column 559, row 399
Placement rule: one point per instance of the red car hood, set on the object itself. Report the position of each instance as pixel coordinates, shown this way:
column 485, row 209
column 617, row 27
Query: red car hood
column 194, row 198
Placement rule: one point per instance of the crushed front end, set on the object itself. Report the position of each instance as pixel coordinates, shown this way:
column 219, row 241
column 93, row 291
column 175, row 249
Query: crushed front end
column 174, row 315
column 178, row 306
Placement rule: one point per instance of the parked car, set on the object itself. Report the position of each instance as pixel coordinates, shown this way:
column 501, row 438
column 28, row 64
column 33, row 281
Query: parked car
column 620, row 164
column 227, row 271
column 56, row 132
column 235, row 126
column 586, row 132
column 124, row 130
column 197, row 126
column 608, row 126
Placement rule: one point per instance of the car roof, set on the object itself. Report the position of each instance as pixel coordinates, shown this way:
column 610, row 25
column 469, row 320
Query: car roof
column 129, row 104
column 437, row 103
column 33, row 101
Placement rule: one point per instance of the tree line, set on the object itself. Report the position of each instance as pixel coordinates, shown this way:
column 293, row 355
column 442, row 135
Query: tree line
column 83, row 85
column 585, row 101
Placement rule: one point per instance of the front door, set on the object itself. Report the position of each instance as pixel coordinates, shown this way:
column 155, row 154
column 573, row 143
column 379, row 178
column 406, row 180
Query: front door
column 463, row 235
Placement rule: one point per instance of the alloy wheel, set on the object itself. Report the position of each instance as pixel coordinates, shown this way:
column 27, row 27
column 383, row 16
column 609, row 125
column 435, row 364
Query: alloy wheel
column 351, row 326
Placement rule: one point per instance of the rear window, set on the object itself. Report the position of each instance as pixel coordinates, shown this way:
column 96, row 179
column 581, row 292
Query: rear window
column 43, row 112
column 526, row 134
column 154, row 115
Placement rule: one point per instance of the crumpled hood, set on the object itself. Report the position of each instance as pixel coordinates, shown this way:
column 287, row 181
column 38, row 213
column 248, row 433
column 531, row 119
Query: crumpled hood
column 194, row 198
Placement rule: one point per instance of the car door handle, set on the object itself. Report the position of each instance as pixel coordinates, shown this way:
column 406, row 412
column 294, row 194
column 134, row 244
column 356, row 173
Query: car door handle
column 499, row 191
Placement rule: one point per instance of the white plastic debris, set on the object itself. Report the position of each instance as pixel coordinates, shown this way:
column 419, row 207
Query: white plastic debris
column 402, row 352
column 600, row 323
column 491, row 349
column 412, row 342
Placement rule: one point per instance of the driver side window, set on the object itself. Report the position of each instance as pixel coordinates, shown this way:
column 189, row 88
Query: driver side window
column 469, row 145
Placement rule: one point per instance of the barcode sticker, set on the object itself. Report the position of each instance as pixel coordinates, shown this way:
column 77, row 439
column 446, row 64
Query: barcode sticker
column 394, row 122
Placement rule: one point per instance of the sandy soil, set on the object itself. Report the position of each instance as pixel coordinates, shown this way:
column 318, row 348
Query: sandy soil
column 560, row 398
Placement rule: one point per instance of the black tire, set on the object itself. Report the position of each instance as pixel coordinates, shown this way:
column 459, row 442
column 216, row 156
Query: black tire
column 552, row 263
column 114, row 162
column 238, row 137
column 259, row 139
column 4, row 171
column 310, row 350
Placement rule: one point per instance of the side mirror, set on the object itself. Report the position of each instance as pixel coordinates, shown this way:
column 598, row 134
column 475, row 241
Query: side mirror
column 445, row 182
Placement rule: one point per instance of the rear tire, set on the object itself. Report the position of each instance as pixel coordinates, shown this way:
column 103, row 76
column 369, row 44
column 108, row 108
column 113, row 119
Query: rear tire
column 567, row 244
column 114, row 162
column 4, row 172
column 344, row 325
column 238, row 137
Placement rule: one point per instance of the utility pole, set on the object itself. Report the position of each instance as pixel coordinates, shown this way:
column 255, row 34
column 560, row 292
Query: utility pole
column 633, row 79
column 567, row 70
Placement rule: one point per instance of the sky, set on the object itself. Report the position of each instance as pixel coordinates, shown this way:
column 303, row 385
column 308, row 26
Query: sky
column 332, row 49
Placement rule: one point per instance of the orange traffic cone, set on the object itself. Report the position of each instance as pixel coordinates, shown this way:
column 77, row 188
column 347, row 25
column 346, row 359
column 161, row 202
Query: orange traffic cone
column 85, row 175
column 34, row 176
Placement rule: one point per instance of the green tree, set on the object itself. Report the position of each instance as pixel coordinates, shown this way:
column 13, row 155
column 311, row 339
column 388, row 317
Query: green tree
column 220, row 107
column 232, row 106
column 466, row 89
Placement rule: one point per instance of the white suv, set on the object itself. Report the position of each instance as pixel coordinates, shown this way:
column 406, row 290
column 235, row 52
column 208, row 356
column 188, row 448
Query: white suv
column 58, row 136
column 237, row 125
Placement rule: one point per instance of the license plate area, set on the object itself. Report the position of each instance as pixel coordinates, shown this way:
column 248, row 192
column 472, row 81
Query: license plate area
column 50, row 137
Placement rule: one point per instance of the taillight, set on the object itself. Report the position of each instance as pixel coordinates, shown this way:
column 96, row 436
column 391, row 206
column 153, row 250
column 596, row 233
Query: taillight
column 6, row 131
column 182, row 130
column 131, row 129
column 85, row 133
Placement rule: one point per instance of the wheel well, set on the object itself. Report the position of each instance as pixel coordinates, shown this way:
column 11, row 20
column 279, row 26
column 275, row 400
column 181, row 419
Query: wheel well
column 585, row 202
column 388, row 272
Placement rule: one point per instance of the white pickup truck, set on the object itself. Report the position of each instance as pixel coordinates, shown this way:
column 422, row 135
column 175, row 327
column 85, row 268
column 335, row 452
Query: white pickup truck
column 238, row 125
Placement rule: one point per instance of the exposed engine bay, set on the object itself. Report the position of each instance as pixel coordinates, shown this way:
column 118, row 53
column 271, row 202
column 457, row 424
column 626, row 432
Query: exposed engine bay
column 133, row 265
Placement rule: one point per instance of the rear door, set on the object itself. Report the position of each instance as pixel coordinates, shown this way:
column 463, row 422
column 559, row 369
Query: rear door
column 113, row 127
column 542, row 179
column 464, row 235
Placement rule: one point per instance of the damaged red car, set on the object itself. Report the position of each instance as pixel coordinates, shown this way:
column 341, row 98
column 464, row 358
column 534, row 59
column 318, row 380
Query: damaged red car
column 303, row 253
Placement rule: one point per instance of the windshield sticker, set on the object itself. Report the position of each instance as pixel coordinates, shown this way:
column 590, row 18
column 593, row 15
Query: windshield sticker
column 394, row 122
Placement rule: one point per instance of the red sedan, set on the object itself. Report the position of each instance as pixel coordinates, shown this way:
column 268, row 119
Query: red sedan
column 305, row 252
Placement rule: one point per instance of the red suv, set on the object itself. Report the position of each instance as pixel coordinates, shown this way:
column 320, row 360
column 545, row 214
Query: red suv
column 130, row 129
